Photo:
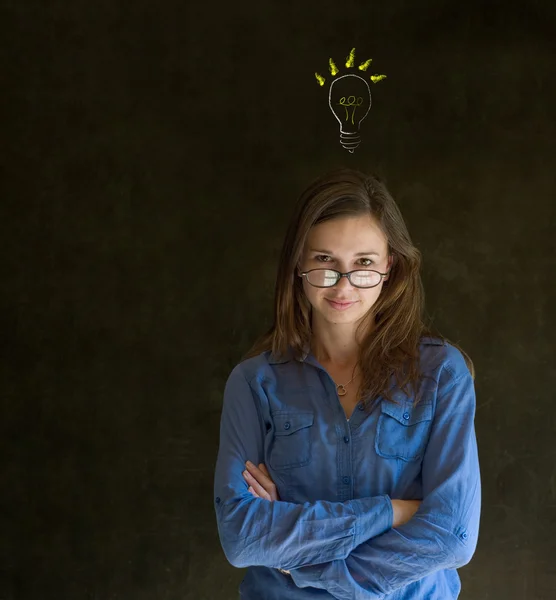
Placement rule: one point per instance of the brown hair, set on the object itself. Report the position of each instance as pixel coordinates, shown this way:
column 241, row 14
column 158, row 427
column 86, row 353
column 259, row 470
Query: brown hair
column 391, row 346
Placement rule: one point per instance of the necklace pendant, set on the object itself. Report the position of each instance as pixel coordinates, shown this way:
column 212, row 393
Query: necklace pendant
column 341, row 390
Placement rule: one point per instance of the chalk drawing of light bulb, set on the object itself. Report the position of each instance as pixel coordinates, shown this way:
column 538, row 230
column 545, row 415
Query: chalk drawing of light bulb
column 350, row 100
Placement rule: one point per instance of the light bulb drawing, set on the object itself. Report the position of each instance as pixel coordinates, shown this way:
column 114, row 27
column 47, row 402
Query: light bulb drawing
column 345, row 107
column 350, row 100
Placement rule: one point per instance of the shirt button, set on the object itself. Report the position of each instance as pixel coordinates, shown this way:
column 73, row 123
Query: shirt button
column 346, row 439
column 217, row 500
column 406, row 416
column 287, row 425
column 464, row 535
column 345, row 479
column 361, row 407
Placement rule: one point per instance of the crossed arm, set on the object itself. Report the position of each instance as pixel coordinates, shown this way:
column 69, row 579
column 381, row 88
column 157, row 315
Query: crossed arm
column 261, row 485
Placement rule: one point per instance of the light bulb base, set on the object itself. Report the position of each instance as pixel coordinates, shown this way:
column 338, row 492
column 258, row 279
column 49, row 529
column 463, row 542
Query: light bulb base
column 350, row 141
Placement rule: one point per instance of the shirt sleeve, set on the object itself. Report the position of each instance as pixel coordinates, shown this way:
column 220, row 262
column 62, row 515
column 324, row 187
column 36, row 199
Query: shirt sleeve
column 255, row 531
column 443, row 533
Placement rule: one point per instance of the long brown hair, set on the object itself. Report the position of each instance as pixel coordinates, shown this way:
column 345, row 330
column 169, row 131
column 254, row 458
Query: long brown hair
column 390, row 348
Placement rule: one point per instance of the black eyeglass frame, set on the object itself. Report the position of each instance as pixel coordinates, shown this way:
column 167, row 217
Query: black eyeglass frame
column 348, row 275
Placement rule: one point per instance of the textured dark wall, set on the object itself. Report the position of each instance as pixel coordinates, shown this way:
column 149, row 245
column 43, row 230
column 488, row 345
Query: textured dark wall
column 151, row 156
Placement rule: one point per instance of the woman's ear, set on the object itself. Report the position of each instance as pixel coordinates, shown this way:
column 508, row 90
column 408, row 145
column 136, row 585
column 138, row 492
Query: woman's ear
column 389, row 265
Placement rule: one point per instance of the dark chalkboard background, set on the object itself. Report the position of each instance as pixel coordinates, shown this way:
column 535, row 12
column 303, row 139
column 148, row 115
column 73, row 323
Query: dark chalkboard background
column 151, row 155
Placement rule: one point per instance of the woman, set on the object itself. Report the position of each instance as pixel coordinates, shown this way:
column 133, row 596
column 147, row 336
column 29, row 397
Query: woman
column 348, row 464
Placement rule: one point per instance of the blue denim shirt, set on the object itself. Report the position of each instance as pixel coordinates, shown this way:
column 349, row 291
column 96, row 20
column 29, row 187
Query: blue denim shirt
column 332, row 528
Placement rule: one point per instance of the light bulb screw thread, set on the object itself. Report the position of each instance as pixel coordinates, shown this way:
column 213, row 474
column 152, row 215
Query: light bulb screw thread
column 350, row 140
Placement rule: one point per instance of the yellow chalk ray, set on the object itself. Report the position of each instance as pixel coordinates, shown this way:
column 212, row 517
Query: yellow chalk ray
column 364, row 66
column 333, row 68
column 377, row 78
column 320, row 79
column 350, row 59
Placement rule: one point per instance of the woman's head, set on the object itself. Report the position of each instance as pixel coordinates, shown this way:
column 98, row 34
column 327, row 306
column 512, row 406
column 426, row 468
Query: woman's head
column 349, row 210
column 340, row 214
column 354, row 245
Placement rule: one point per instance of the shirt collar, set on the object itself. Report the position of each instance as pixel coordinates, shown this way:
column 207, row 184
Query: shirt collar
column 275, row 360
column 431, row 341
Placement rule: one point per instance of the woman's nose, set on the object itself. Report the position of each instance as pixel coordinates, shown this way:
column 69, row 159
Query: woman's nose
column 343, row 282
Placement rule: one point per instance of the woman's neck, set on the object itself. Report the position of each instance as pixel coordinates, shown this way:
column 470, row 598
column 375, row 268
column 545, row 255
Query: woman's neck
column 341, row 354
column 337, row 346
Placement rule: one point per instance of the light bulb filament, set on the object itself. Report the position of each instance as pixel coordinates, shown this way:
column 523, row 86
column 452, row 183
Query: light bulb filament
column 351, row 101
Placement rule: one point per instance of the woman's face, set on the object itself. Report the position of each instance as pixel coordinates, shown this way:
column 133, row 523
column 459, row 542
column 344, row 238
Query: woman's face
column 344, row 244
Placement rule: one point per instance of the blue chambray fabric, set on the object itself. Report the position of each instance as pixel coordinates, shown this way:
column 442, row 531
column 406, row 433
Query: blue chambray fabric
column 332, row 528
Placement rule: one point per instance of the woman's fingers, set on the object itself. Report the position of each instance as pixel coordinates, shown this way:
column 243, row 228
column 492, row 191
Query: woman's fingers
column 260, row 480
column 256, row 486
column 273, row 490
column 262, row 477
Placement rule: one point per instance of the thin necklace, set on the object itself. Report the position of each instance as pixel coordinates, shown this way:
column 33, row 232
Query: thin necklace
column 341, row 387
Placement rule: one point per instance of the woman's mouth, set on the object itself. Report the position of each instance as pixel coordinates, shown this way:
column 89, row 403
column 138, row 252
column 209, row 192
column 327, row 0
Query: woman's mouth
column 340, row 305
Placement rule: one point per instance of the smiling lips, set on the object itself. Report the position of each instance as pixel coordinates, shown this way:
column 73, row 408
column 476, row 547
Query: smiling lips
column 339, row 305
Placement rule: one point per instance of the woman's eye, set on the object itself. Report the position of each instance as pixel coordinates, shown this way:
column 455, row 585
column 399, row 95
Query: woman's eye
column 323, row 257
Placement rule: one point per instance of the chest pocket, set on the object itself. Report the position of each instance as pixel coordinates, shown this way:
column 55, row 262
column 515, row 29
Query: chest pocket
column 292, row 443
column 403, row 430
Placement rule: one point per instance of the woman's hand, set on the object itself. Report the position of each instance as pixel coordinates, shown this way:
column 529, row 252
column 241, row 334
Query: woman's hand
column 404, row 511
column 260, row 482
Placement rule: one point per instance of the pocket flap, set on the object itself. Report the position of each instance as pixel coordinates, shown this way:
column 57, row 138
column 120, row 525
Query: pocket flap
column 290, row 422
column 407, row 414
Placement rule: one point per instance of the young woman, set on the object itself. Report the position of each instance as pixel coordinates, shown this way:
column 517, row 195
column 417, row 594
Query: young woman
column 348, row 464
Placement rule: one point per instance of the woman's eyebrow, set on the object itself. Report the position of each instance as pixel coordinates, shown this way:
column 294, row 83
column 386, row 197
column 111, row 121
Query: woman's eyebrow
column 371, row 252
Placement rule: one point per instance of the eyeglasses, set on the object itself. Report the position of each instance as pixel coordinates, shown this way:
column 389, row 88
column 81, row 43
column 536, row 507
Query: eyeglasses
column 329, row 277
